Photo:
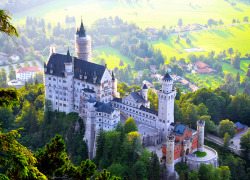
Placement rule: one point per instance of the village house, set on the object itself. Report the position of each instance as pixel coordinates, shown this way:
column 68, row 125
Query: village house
column 26, row 73
column 203, row 68
column 15, row 58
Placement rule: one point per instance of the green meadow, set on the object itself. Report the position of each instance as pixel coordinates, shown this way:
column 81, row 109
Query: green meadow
column 212, row 80
column 217, row 39
column 144, row 13
column 112, row 57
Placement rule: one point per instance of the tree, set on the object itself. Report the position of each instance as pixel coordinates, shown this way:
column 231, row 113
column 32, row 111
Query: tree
column 139, row 171
column 221, row 22
column 180, row 23
column 247, row 73
column 100, row 145
column 102, row 61
column 193, row 175
column 3, row 75
column 130, row 125
column 230, row 51
column 17, row 159
column 178, row 39
column 227, row 126
column 154, row 167
column 191, row 115
column 53, row 160
column 237, row 79
column 6, row 26
column 245, row 19
column 226, row 141
column 235, row 62
column 245, row 144
column 85, row 171
column 188, row 41
column 210, row 126
column 6, row 117
column 132, row 145
column 8, row 98
column 202, row 109
column 121, row 63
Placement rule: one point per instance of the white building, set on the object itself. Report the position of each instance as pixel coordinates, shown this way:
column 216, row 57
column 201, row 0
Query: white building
column 78, row 85
column 26, row 73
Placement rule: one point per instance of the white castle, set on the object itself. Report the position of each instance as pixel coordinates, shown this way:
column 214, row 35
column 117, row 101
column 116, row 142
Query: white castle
column 75, row 84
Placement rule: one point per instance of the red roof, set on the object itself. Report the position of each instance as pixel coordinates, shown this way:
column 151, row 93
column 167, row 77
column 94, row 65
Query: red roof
column 30, row 69
column 205, row 70
column 184, row 81
column 201, row 65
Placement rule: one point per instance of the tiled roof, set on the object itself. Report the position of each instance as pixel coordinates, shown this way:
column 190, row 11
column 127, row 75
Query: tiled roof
column 239, row 125
column 167, row 77
column 137, row 97
column 143, row 108
column 201, row 65
column 179, row 129
column 56, row 63
column 204, row 70
column 104, row 107
column 118, row 100
column 29, row 69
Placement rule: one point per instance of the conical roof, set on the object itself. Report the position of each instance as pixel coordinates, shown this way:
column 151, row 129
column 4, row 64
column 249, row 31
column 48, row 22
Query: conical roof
column 69, row 59
column 113, row 77
column 145, row 86
column 167, row 77
column 82, row 32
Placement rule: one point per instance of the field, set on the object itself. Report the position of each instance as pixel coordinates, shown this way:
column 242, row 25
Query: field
column 207, row 81
column 112, row 57
column 217, row 39
column 144, row 13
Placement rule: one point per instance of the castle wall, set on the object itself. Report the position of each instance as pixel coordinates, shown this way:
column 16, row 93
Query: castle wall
column 137, row 114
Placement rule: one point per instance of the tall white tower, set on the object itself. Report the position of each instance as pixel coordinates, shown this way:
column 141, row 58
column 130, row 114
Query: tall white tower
column 69, row 75
column 82, row 44
column 144, row 92
column 90, row 127
column 166, row 98
column 114, row 86
column 200, row 131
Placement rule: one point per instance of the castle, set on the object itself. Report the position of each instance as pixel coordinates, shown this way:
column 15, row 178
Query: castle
column 75, row 84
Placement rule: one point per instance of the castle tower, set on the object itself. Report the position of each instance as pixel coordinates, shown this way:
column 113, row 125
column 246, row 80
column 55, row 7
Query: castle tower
column 170, row 154
column 114, row 86
column 82, row 44
column 166, row 98
column 90, row 127
column 200, row 131
column 144, row 92
column 69, row 75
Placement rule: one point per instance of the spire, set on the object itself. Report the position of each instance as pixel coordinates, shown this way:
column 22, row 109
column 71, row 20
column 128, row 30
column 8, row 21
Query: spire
column 113, row 77
column 145, row 86
column 68, row 58
column 82, row 32
column 167, row 77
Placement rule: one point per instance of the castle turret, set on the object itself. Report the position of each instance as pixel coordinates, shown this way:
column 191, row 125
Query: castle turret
column 170, row 153
column 69, row 77
column 166, row 98
column 200, row 131
column 114, row 86
column 144, row 92
column 90, row 127
column 82, row 44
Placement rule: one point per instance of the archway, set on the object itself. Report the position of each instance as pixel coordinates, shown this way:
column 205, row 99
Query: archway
column 187, row 151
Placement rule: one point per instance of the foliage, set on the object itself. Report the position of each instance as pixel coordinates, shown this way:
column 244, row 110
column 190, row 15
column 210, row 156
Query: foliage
column 154, row 167
column 226, row 140
column 245, row 144
column 130, row 125
column 8, row 97
column 5, row 24
column 200, row 154
column 18, row 160
column 227, row 126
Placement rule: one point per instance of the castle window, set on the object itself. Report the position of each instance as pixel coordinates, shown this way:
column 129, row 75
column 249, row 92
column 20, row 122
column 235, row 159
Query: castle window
column 49, row 78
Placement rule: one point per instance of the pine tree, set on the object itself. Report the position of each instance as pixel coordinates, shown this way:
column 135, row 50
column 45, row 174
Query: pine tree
column 154, row 167
column 237, row 79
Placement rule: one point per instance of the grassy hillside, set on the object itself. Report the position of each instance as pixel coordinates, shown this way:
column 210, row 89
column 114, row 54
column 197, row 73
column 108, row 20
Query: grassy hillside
column 217, row 39
column 144, row 13
column 112, row 57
